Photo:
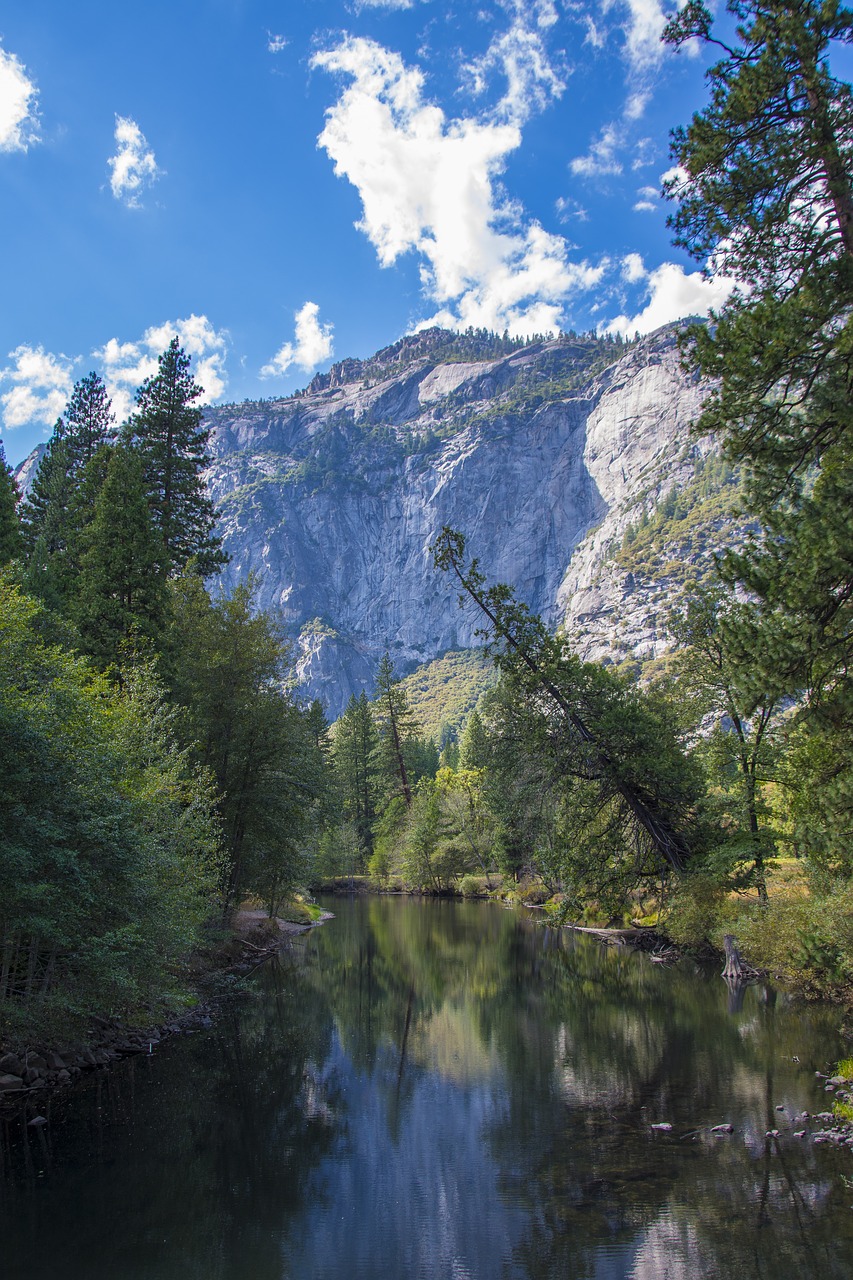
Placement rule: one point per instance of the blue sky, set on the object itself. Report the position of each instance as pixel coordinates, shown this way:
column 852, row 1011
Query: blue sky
column 284, row 184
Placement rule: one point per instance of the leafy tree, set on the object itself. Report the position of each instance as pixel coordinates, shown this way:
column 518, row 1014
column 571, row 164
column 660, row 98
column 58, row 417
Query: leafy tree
column 229, row 664
column 11, row 543
column 717, row 640
column 168, row 431
column 108, row 841
column 121, row 590
column 617, row 745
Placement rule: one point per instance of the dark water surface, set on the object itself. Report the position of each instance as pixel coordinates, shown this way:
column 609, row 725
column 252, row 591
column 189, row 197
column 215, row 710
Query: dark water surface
column 438, row 1089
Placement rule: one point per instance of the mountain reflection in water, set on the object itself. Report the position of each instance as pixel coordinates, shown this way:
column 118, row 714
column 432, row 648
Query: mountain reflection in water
column 437, row 1089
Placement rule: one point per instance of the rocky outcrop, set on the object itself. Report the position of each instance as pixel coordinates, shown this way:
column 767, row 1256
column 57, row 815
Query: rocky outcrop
column 541, row 456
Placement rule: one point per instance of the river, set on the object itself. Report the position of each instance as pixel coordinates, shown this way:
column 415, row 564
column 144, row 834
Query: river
column 443, row 1089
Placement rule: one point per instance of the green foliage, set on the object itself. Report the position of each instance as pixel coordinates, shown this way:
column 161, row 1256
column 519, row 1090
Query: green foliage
column 442, row 693
column 354, row 754
column 11, row 542
column 768, row 191
column 48, row 524
column 167, row 430
column 88, row 420
column 121, row 588
column 228, row 666
column 108, row 844
column 615, row 747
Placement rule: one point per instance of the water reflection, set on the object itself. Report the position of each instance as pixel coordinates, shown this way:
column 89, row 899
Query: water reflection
column 442, row 1089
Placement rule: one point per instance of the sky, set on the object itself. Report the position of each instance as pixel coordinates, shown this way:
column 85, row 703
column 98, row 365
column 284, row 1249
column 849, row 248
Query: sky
column 284, row 183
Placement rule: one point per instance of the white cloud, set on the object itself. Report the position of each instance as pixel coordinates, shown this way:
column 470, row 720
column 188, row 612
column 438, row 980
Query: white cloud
column 133, row 167
column 645, row 23
column 430, row 185
column 18, row 105
column 602, row 158
column 127, row 364
column 275, row 43
column 313, row 344
column 520, row 53
column 633, row 268
column 384, row 4
column 568, row 208
column 648, row 201
column 41, row 383
column 672, row 294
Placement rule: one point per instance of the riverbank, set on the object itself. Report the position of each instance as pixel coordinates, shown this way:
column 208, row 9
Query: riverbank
column 30, row 1073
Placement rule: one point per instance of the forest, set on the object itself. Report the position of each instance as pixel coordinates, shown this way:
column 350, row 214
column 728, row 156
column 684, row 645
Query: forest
column 158, row 767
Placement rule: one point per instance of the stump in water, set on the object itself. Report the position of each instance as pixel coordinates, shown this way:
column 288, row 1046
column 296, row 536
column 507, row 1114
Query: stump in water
column 734, row 970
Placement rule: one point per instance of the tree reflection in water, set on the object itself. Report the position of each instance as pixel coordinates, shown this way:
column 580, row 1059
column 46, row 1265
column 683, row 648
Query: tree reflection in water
column 429, row 1088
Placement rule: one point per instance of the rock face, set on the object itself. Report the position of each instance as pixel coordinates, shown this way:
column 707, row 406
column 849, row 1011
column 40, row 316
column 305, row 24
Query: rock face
column 540, row 456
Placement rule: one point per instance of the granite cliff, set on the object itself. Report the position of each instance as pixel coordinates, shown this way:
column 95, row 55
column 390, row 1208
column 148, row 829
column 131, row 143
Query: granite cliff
column 542, row 454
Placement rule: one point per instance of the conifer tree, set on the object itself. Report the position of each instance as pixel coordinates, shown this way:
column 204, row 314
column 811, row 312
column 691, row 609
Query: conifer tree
column 88, row 419
column 167, row 429
column 11, row 543
column 47, row 523
column 396, row 728
column 122, row 592
column 355, row 765
column 765, row 193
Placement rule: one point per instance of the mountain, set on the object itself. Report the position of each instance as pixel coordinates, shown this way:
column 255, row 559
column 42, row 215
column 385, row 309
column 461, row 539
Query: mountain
column 544, row 454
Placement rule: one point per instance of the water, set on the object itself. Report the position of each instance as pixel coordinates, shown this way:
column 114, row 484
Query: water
column 437, row 1089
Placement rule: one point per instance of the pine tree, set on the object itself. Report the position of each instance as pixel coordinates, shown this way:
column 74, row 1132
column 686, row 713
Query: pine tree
column 396, row 728
column 764, row 191
column 355, row 766
column 88, row 419
column 167, row 428
column 122, row 591
column 11, row 542
column 47, row 523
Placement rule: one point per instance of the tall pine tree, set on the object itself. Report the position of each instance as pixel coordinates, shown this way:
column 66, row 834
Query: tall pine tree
column 11, row 543
column 167, row 429
column 88, row 419
column 122, row 590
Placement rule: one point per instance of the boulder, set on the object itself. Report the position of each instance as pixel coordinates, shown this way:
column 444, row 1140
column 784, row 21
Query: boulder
column 10, row 1083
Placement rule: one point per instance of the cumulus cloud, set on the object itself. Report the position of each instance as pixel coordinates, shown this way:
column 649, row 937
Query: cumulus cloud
column 275, row 43
column 313, row 344
column 39, row 384
column 431, row 186
column 602, row 158
column 133, row 167
column 521, row 55
column 672, row 294
column 648, row 200
column 18, row 105
column 127, row 364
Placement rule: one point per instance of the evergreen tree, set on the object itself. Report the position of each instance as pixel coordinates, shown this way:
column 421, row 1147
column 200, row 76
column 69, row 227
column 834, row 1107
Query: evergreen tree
column 47, row 523
column 229, row 664
column 167, row 428
column 88, row 419
column 11, row 542
column 122, row 593
column 397, row 730
column 765, row 192
column 355, row 766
